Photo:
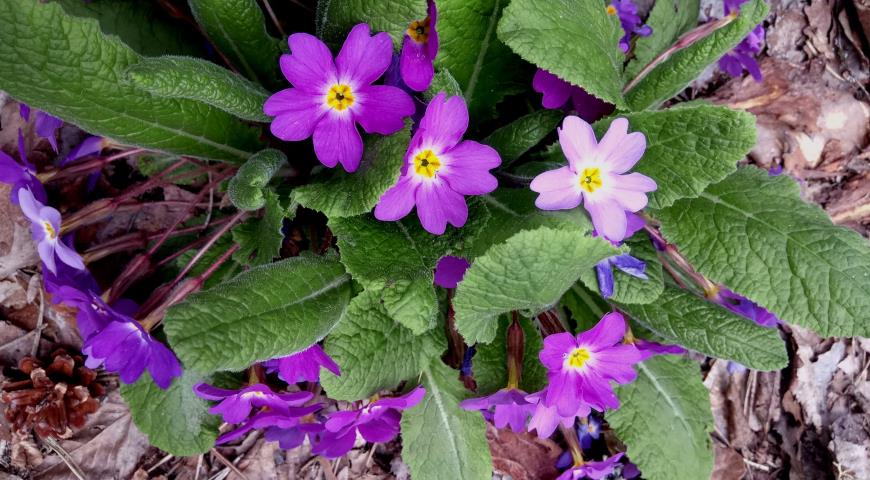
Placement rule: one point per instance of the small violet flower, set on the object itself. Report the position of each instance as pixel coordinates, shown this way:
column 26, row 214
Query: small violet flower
column 630, row 21
column 20, row 175
column 376, row 422
column 87, row 147
column 589, row 432
column 303, row 366
column 45, row 228
column 592, row 470
column 440, row 168
column 626, row 263
column 596, row 176
column 46, row 125
column 581, row 368
column 649, row 348
column 419, row 49
column 511, row 408
column 236, row 405
column 330, row 97
column 557, row 92
column 450, row 270
column 746, row 308
column 742, row 57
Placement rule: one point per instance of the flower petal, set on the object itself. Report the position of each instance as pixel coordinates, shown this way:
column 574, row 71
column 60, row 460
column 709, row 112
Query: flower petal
column 29, row 206
column 382, row 109
column 557, row 190
column 445, row 120
column 577, row 140
column 296, row 113
column 364, row 58
column 310, row 66
column 467, row 168
column 556, row 346
column 69, row 256
column 398, row 201
column 415, row 65
column 607, row 332
column 46, row 253
column 556, row 91
column 336, row 140
column 608, row 218
column 438, row 205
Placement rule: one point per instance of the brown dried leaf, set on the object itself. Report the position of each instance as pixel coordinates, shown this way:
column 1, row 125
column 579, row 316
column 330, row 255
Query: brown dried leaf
column 522, row 455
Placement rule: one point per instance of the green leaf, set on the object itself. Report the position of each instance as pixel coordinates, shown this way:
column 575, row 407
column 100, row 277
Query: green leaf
column 668, row 19
column 681, row 317
column 528, row 272
column 175, row 420
column 671, row 76
column 83, row 83
column 629, row 289
column 586, row 306
column 412, row 303
column 260, row 239
column 443, row 81
column 151, row 165
column 269, row 311
column 689, row 148
column 247, row 188
column 665, row 420
column 576, row 40
column 521, row 135
column 483, row 66
column 346, row 194
column 335, row 18
column 753, row 233
column 490, row 361
column 238, row 29
column 440, row 440
column 224, row 272
column 144, row 26
column 202, row 81
column 374, row 352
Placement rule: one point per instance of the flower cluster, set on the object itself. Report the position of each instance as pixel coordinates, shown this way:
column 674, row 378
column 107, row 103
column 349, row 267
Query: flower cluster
column 742, row 57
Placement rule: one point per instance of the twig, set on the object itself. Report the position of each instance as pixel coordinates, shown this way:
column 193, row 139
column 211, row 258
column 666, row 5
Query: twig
column 65, row 456
column 326, row 465
column 228, row 464
column 273, row 17
column 163, row 460
column 40, row 324
column 198, row 467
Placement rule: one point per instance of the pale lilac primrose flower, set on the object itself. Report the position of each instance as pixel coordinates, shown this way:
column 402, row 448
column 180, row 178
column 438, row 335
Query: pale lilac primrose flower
column 303, row 366
column 742, row 57
column 376, row 422
column 330, row 98
column 450, row 270
column 630, row 21
column 440, row 168
column 592, row 470
column 46, row 125
column 236, row 405
column 509, row 408
column 546, row 419
column 556, row 93
column 419, row 49
column 626, row 263
column 45, row 228
column 596, row 176
column 20, row 175
column 581, row 368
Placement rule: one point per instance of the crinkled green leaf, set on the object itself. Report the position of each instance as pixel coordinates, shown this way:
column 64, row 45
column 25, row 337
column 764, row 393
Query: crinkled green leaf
column 664, row 420
column 200, row 80
column 490, row 361
column 412, row 303
column 374, row 352
column 586, row 307
column 175, row 420
column 247, row 188
column 673, row 75
column 576, row 40
column 144, row 26
column 753, row 233
column 483, row 66
column 629, row 289
column 681, row 317
column 528, row 272
column 349, row 194
column 668, row 19
column 260, row 239
column 238, row 29
column 69, row 68
column 689, row 148
column 335, row 18
column 266, row 312
column 521, row 135
column 441, row 440
column 443, row 81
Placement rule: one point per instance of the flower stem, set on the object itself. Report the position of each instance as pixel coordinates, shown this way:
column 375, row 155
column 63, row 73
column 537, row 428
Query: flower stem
column 679, row 260
column 573, row 445
column 80, row 168
column 455, row 344
column 550, row 322
column 516, row 339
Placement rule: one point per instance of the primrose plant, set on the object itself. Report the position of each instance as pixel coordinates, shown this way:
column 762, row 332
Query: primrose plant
column 582, row 235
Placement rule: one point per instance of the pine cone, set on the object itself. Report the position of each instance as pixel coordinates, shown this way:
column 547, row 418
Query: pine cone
column 50, row 399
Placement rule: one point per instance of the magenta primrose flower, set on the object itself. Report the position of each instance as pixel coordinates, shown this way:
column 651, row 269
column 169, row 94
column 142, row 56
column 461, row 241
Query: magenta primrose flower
column 596, row 176
column 45, row 228
column 450, row 270
column 440, row 168
column 303, row 366
column 419, row 49
column 592, row 470
column 581, row 368
column 376, row 422
column 546, row 419
column 510, row 408
column 236, row 405
column 557, row 92
column 330, row 97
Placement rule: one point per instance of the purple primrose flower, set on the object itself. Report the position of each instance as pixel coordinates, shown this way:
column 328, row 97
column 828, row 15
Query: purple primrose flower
column 290, row 438
column 46, row 125
column 746, row 308
column 20, row 175
column 419, row 49
column 630, row 21
column 592, row 470
column 376, row 422
column 557, row 92
column 581, row 368
column 236, row 405
column 303, row 366
column 330, row 98
column 626, row 263
column 450, row 270
column 648, row 348
column 742, row 57
column 87, row 147
column 596, row 176
column 45, row 228
column 510, row 408
column 440, row 168
column 287, row 419
column 546, row 419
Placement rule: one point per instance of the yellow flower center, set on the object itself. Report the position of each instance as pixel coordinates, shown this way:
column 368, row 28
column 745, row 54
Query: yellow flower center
column 49, row 230
column 426, row 163
column 419, row 30
column 590, row 179
column 578, row 357
column 255, row 394
column 611, row 10
column 339, row 97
